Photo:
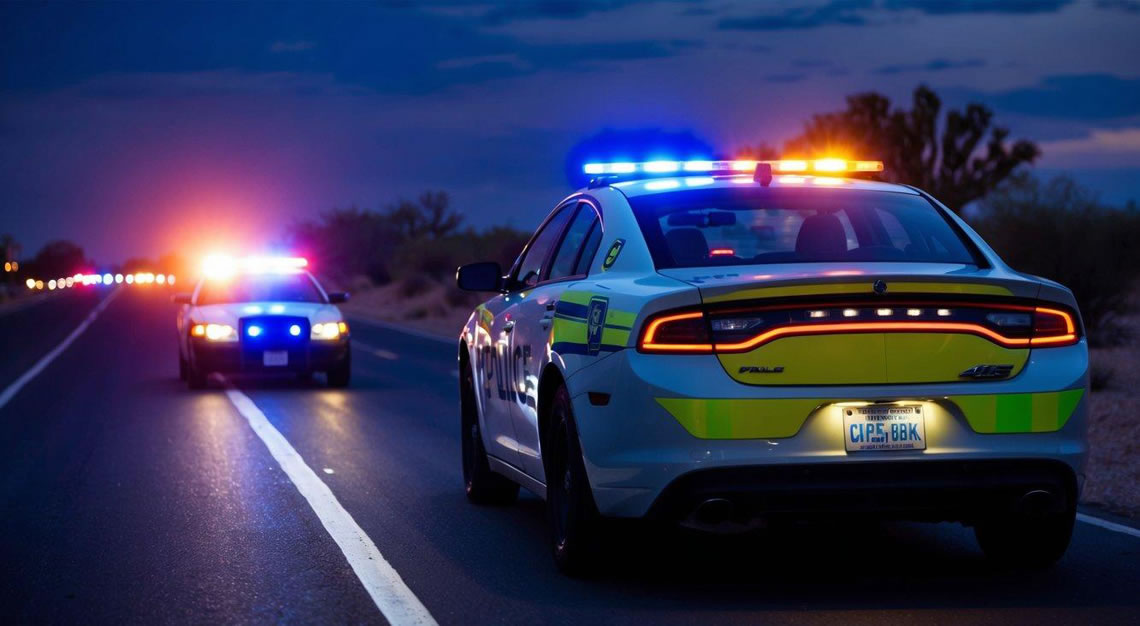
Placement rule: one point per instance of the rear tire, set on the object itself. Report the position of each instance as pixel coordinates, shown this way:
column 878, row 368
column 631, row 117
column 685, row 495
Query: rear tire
column 1026, row 541
column 340, row 374
column 481, row 484
column 575, row 525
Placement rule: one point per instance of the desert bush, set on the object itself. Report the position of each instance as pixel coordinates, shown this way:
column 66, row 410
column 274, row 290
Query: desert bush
column 415, row 284
column 1058, row 229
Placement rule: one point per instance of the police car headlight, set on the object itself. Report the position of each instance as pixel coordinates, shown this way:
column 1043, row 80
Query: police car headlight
column 328, row 331
column 214, row 332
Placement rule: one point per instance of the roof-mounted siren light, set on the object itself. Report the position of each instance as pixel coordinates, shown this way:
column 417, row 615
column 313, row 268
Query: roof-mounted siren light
column 763, row 174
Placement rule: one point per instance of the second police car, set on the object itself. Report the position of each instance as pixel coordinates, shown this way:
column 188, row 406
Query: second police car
column 720, row 344
column 261, row 315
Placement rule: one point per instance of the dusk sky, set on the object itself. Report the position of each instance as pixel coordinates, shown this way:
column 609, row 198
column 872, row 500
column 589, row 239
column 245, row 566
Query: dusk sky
column 137, row 129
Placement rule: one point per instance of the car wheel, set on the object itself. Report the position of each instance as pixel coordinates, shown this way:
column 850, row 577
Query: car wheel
column 1026, row 541
column 340, row 374
column 575, row 524
column 481, row 484
column 181, row 367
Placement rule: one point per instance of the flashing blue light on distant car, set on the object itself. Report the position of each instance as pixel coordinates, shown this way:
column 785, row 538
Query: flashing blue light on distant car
column 253, row 331
column 295, row 330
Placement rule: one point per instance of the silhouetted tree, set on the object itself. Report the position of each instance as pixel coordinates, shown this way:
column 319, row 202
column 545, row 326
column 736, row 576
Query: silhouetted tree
column 955, row 160
column 59, row 258
column 432, row 217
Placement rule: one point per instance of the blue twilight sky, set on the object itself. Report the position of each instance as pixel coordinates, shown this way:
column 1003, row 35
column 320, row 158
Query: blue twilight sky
column 135, row 129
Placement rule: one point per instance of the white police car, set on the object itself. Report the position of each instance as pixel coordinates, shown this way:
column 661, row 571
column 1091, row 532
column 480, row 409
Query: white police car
column 723, row 343
column 261, row 315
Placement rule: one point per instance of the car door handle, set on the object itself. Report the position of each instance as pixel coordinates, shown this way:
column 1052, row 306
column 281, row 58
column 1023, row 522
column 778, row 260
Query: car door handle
column 550, row 305
column 508, row 326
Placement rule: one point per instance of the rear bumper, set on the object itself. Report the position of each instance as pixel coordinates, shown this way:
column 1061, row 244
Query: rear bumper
column 679, row 425
column 233, row 358
column 930, row 490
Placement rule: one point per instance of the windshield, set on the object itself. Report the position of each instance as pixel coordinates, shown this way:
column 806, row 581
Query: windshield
column 760, row 225
column 260, row 288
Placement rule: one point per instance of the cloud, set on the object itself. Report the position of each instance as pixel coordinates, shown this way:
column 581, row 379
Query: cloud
column 1067, row 96
column 1127, row 6
column 788, row 77
column 935, row 65
column 291, row 46
column 1120, row 140
column 844, row 12
column 959, row 7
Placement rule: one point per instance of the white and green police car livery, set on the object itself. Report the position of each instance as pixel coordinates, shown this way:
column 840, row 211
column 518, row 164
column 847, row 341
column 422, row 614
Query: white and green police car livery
column 724, row 343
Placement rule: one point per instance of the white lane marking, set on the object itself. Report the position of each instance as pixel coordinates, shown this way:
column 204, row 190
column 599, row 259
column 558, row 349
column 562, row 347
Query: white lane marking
column 46, row 360
column 380, row 352
column 392, row 596
column 1113, row 526
column 423, row 334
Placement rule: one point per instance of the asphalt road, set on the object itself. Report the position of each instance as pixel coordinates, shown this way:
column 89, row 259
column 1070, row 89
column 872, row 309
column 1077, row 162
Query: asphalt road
column 126, row 498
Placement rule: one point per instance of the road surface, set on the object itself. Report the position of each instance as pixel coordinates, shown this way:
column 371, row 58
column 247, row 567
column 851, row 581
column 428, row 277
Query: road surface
column 129, row 499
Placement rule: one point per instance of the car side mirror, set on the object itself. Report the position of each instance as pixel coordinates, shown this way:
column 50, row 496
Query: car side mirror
column 338, row 297
column 181, row 298
column 486, row 276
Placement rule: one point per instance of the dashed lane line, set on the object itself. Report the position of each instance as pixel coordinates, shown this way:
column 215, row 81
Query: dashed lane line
column 382, row 582
column 380, row 352
column 46, row 359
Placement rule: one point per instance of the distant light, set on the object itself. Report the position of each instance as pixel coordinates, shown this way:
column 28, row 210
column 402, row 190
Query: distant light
column 295, row 330
column 253, row 331
column 220, row 332
column 67, row 282
column 7, row 266
column 15, row 265
column 198, row 330
column 108, row 279
column 698, row 166
column 130, row 279
column 327, row 330
column 118, row 278
column 252, row 309
column 39, row 284
column 170, row 279
column 722, row 252
column 884, row 312
column 817, row 314
column 943, row 312
column 594, row 168
column 342, row 327
column 31, row 283
column 850, row 312
column 51, row 284
column 791, row 166
column 830, row 165
column 744, row 166
column 160, row 278
column 914, row 312
column 622, row 168
column 217, row 266
column 98, row 278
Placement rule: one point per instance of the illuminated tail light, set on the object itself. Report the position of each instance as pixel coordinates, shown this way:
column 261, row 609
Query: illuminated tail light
column 677, row 332
column 1053, row 327
column 691, row 332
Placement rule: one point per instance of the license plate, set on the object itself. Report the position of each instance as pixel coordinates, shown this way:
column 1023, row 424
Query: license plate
column 275, row 358
column 884, row 427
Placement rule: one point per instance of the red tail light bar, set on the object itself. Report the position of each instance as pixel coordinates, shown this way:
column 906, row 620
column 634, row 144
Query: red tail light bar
column 689, row 332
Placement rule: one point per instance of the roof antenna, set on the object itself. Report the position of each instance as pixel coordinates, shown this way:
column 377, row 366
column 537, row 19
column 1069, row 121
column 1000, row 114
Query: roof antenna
column 763, row 174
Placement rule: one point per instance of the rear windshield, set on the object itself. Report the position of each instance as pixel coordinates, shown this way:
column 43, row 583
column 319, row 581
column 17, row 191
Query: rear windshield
column 259, row 288
column 757, row 225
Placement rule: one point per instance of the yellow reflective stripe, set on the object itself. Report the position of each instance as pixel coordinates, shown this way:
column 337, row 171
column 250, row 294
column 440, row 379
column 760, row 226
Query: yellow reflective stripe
column 740, row 418
column 620, row 318
column 1019, row 412
column 862, row 287
column 568, row 331
column 772, row 418
column 614, row 337
column 576, row 297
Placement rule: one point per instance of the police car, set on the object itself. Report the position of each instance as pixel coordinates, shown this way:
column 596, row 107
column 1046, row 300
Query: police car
column 728, row 344
column 261, row 315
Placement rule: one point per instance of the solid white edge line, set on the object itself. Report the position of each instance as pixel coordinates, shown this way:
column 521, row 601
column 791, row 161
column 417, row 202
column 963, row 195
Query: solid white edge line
column 46, row 359
column 382, row 582
column 1113, row 526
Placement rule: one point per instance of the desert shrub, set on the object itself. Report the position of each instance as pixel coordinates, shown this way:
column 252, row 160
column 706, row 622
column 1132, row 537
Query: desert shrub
column 414, row 285
column 456, row 297
column 1057, row 229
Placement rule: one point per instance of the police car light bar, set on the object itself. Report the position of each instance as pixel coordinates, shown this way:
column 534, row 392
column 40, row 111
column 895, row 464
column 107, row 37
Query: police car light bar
column 740, row 166
column 221, row 266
